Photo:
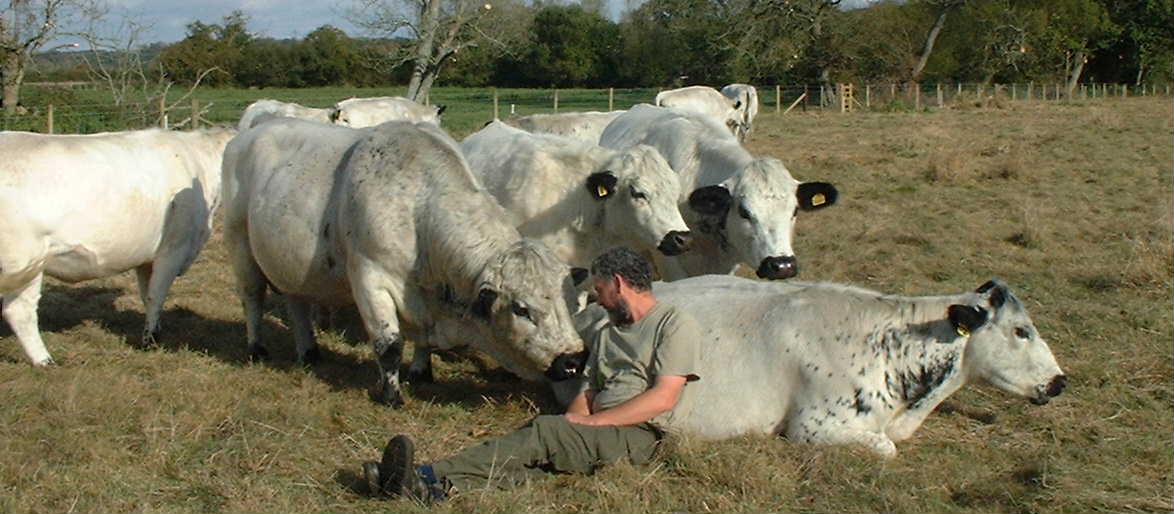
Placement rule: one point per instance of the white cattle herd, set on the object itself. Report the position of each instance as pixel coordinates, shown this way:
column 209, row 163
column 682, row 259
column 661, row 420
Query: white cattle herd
column 483, row 243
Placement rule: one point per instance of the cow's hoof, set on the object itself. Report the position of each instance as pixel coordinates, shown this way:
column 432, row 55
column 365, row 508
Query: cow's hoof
column 150, row 340
column 416, row 376
column 258, row 354
column 389, row 398
column 311, row 357
column 46, row 363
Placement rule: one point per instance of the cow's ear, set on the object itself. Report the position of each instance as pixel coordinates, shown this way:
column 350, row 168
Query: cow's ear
column 484, row 303
column 711, row 201
column 816, row 195
column 578, row 275
column 602, row 185
column 966, row 318
column 440, row 109
column 997, row 290
column 334, row 115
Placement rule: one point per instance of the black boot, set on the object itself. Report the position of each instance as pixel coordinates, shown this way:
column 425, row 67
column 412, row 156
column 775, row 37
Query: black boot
column 396, row 474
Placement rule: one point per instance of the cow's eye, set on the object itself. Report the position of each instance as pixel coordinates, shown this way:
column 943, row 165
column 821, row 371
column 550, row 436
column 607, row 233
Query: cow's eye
column 521, row 311
column 744, row 212
column 1022, row 333
column 636, row 194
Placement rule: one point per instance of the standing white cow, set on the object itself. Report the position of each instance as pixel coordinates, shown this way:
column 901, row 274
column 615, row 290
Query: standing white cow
column 80, row 207
column 368, row 112
column 740, row 209
column 708, row 101
column 389, row 218
column 748, row 95
column 583, row 126
column 265, row 109
column 580, row 198
column 833, row 364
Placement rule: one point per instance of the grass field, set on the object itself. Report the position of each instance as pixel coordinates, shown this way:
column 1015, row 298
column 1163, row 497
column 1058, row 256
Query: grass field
column 1068, row 203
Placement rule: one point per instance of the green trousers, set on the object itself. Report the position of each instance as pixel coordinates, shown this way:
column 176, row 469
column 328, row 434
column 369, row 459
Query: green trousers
column 546, row 444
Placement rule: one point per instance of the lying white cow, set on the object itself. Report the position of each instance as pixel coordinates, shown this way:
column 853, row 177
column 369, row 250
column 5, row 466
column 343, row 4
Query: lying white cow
column 709, row 101
column 264, row 110
column 389, row 218
column 579, row 198
column 83, row 207
column 368, row 112
column 748, row 95
column 740, row 209
column 833, row 364
column 584, row 126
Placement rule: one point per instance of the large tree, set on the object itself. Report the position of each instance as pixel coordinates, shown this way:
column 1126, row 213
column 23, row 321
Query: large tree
column 25, row 27
column 436, row 30
column 206, row 47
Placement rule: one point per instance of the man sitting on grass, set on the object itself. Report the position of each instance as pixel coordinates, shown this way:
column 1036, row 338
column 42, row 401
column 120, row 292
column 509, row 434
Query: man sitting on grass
column 636, row 375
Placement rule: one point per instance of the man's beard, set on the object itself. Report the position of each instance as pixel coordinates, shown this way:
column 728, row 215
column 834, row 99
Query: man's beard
column 620, row 314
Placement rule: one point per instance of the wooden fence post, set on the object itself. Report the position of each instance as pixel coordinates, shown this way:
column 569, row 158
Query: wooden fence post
column 892, row 92
column 916, row 96
column 195, row 114
column 939, row 88
column 1013, row 92
column 495, row 111
column 163, row 112
column 49, row 121
column 556, row 100
column 778, row 98
column 1125, row 89
column 611, row 99
column 867, row 96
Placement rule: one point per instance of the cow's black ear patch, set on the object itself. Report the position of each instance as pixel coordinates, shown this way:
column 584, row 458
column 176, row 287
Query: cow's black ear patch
column 966, row 318
column 711, row 201
column 440, row 109
column 816, row 195
column 578, row 275
column 602, row 184
column 484, row 304
column 998, row 293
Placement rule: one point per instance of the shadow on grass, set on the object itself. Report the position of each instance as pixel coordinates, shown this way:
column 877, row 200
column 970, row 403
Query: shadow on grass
column 64, row 308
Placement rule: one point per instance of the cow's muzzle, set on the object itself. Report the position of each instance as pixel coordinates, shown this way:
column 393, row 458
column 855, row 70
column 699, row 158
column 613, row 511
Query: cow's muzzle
column 567, row 366
column 775, row 268
column 1053, row 389
column 675, row 242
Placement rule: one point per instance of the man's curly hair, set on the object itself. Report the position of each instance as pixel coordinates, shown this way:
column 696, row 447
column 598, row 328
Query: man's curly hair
column 625, row 262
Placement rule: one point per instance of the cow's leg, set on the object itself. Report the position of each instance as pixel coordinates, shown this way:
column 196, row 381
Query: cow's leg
column 251, row 287
column 828, row 432
column 20, row 311
column 374, row 298
column 162, row 274
column 143, row 277
column 420, row 371
column 303, row 329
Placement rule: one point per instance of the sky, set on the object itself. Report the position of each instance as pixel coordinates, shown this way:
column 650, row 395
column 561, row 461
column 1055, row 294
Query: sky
column 277, row 19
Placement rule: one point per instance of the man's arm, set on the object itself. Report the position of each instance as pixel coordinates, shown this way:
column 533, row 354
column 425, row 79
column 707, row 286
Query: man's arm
column 581, row 405
column 661, row 398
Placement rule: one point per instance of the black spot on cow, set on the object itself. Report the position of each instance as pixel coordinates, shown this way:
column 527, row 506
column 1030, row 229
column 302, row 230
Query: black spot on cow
column 326, row 231
column 860, row 405
column 329, row 262
column 914, row 384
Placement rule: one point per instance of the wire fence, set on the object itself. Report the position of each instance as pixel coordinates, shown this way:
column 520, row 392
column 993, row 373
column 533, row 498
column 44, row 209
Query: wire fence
column 468, row 108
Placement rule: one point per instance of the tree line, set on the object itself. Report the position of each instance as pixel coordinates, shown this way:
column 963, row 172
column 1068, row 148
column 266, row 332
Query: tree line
column 664, row 43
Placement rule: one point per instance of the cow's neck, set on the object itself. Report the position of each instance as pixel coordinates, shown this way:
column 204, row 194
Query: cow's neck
column 922, row 352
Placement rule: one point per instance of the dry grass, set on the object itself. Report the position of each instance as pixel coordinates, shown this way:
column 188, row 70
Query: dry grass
column 1070, row 204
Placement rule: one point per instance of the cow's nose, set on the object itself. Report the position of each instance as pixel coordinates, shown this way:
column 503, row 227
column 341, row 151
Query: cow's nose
column 1057, row 385
column 775, row 268
column 567, row 366
column 675, row 242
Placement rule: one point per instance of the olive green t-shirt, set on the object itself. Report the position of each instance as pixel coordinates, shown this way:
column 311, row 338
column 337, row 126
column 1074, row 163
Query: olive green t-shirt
column 625, row 360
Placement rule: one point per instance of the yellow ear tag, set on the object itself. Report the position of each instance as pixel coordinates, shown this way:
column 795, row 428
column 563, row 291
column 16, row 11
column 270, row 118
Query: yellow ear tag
column 602, row 191
column 817, row 200
column 963, row 332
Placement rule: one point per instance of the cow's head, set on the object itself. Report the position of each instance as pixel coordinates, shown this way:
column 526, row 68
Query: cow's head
column 754, row 214
column 1003, row 347
column 638, row 192
column 523, row 297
